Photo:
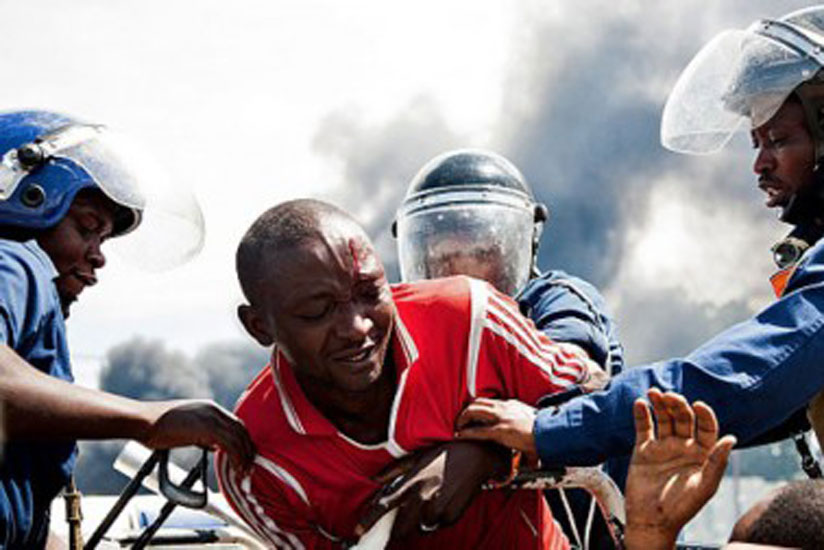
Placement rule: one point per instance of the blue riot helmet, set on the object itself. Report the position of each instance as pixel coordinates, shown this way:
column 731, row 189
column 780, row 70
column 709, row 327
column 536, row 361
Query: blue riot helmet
column 469, row 212
column 46, row 158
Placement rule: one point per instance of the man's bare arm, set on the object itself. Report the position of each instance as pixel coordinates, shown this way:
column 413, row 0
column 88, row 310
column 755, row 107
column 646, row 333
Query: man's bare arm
column 38, row 406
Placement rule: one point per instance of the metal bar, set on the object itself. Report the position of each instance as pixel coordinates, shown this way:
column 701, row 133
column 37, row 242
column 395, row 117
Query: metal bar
column 125, row 496
column 165, row 512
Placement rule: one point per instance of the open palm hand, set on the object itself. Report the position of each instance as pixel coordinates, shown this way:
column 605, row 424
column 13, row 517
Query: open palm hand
column 674, row 470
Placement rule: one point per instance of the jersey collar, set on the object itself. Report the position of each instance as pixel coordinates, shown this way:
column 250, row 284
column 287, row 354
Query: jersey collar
column 302, row 416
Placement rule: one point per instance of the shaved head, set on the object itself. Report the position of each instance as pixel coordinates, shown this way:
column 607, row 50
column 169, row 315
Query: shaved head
column 279, row 230
column 792, row 516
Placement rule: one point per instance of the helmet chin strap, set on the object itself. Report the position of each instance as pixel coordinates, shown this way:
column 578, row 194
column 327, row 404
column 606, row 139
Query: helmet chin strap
column 805, row 212
column 805, row 209
column 541, row 217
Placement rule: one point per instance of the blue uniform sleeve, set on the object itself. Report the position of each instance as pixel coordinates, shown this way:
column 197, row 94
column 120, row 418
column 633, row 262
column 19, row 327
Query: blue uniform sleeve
column 568, row 309
column 16, row 283
column 754, row 375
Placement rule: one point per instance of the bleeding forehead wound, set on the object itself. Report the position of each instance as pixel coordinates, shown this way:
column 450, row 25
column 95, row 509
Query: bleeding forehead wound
column 363, row 258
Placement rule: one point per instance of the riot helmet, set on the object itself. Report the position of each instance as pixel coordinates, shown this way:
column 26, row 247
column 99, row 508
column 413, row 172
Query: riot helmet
column 469, row 212
column 47, row 158
column 747, row 75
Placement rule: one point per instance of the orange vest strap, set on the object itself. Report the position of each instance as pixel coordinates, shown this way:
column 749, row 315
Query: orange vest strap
column 780, row 279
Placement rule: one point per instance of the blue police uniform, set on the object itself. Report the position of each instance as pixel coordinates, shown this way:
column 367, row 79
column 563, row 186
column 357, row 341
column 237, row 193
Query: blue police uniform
column 754, row 375
column 568, row 309
column 31, row 323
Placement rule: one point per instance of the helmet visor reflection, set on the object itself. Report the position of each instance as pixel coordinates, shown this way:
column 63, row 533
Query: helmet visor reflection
column 739, row 75
column 487, row 241
column 172, row 227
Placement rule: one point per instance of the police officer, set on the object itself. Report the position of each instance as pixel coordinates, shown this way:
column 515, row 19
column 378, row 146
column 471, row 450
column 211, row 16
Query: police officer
column 472, row 212
column 756, row 374
column 66, row 187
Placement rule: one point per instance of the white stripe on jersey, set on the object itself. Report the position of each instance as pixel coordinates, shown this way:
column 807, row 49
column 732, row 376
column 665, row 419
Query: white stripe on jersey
column 285, row 400
column 407, row 343
column 536, row 360
column 392, row 445
column 526, row 330
column 539, row 345
column 478, row 298
column 285, row 477
column 240, row 495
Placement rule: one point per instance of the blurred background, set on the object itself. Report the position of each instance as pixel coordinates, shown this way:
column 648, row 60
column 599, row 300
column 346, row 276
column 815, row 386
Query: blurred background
column 251, row 103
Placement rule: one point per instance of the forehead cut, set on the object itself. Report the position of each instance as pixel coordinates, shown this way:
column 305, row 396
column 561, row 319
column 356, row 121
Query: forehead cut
column 284, row 227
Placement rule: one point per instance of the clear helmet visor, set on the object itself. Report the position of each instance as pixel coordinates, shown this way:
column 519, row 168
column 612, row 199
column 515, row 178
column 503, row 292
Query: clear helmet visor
column 171, row 222
column 485, row 240
column 740, row 75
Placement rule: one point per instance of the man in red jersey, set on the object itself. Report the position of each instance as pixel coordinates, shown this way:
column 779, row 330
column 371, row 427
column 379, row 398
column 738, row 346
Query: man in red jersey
column 363, row 373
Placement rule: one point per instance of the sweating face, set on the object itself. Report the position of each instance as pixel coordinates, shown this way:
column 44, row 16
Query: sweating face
column 330, row 309
column 786, row 155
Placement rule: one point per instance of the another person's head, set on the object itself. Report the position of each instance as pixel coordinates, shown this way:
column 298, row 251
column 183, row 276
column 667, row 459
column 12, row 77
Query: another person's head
column 767, row 78
column 71, row 186
column 791, row 516
column 469, row 212
column 316, row 288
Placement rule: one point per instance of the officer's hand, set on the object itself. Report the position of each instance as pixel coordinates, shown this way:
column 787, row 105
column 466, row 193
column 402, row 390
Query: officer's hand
column 198, row 422
column 433, row 488
column 673, row 473
column 508, row 423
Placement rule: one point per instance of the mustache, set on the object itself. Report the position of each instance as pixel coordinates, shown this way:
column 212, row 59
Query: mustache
column 767, row 180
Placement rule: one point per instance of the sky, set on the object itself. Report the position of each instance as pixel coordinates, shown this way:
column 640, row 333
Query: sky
column 252, row 103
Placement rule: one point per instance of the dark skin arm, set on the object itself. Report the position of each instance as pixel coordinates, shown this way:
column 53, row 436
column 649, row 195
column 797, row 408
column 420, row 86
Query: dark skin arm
column 434, row 487
column 38, row 406
column 432, row 497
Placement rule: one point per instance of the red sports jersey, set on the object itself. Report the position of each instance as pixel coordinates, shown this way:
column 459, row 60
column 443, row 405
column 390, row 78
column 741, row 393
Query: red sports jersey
column 454, row 339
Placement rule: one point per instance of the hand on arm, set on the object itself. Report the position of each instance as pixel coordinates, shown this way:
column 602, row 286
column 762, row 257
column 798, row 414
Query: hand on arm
column 508, row 423
column 673, row 473
column 40, row 406
column 432, row 488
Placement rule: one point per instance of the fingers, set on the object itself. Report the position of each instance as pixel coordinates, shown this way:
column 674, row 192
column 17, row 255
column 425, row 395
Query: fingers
column 408, row 520
column 706, row 425
column 387, row 498
column 483, row 433
column 370, row 518
column 713, row 469
column 396, row 469
column 643, row 422
column 663, row 420
column 480, row 411
column 229, row 433
column 683, row 418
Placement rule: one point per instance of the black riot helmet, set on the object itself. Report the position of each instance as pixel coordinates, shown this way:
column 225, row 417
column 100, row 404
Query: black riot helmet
column 469, row 212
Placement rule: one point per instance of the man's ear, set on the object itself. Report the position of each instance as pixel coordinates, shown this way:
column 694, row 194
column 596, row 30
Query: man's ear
column 254, row 325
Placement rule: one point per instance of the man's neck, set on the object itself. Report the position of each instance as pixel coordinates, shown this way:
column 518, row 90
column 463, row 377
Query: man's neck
column 362, row 416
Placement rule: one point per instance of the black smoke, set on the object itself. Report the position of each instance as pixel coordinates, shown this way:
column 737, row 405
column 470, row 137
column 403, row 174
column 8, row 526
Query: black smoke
column 580, row 117
column 148, row 370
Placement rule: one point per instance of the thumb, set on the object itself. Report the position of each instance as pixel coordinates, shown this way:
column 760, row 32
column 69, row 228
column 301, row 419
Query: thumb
column 717, row 461
column 482, row 433
column 398, row 468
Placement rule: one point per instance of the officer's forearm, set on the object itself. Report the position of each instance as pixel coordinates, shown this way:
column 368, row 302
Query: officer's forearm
column 37, row 406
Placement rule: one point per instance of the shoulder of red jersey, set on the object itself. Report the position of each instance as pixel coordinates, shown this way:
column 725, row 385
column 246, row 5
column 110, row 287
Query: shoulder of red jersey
column 260, row 408
column 447, row 295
